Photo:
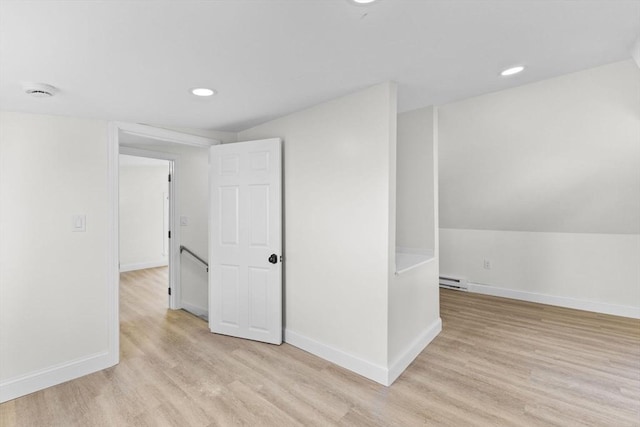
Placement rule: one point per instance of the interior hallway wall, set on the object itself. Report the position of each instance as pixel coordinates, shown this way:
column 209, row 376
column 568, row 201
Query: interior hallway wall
column 337, row 177
column 53, row 281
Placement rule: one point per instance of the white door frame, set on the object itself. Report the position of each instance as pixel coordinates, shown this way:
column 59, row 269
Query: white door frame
column 173, row 257
column 113, row 270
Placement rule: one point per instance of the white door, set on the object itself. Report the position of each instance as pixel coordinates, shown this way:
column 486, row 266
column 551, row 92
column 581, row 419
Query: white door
column 245, row 238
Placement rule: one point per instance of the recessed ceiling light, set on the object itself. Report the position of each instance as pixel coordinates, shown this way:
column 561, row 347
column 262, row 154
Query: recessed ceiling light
column 203, row 91
column 511, row 71
column 363, row 1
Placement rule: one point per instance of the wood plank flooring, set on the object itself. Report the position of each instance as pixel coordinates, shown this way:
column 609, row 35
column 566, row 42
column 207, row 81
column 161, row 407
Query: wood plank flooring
column 497, row 362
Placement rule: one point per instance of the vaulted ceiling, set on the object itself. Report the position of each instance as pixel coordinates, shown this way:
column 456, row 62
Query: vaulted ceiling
column 136, row 61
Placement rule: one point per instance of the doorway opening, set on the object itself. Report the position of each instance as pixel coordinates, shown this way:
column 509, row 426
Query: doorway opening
column 146, row 203
column 173, row 148
column 234, row 196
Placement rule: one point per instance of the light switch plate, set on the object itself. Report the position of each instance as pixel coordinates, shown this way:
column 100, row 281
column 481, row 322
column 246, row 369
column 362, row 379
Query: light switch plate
column 79, row 223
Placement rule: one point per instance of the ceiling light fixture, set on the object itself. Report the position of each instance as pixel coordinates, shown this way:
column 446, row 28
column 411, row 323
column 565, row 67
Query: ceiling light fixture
column 39, row 90
column 511, row 71
column 363, row 1
column 203, row 91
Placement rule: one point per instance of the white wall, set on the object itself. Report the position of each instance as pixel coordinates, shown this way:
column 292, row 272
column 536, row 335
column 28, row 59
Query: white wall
column 143, row 238
column 415, row 180
column 414, row 314
column 53, row 282
column 561, row 155
column 414, row 306
column 554, row 167
column 337, row 175
column 596, row 272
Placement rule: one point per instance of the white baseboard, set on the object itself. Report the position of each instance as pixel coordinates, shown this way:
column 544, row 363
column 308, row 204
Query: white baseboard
column 348, row 361
column 377, row 373
column 404, row 360
column 597, row 307
column 194, row 309
column 54, row 375
column 143, row 265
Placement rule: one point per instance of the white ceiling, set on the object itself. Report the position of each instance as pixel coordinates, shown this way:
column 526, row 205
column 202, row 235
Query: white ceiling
column 135, row 61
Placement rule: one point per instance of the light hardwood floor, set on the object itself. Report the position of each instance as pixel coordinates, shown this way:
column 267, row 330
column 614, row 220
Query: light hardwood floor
column 497, row 362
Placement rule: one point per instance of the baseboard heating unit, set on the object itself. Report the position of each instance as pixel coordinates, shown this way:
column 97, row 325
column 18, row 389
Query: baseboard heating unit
column 454, row 283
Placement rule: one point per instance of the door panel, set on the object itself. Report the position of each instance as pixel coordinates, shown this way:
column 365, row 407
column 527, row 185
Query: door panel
column 259, row 299
column 229, row 219
column 245, row 230
column 259, row 215
column 229, row 290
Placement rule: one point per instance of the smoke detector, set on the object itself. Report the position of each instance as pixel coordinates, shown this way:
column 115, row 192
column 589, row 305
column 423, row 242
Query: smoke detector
column 39, row 90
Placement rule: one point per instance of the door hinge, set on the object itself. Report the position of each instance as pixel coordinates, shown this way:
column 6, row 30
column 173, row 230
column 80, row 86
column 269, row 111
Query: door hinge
column 169, row 177
column 169, row 291
column 169, row 233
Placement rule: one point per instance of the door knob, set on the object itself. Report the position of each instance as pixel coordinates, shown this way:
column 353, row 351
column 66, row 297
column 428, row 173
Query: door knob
column 273, row 259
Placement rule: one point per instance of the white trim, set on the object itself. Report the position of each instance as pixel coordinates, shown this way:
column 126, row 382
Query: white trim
column 377, row 373
column 165, row 135
column 403, row 361
column 113, row 247
column 348, row 361
column 54, row 375
column 174, row 220
column 194, row 309
column 143, row 265
column 131, row 151
column 578, row 304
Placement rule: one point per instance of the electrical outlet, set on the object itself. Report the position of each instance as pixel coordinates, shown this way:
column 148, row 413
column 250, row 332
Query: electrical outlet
column 487, row 264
